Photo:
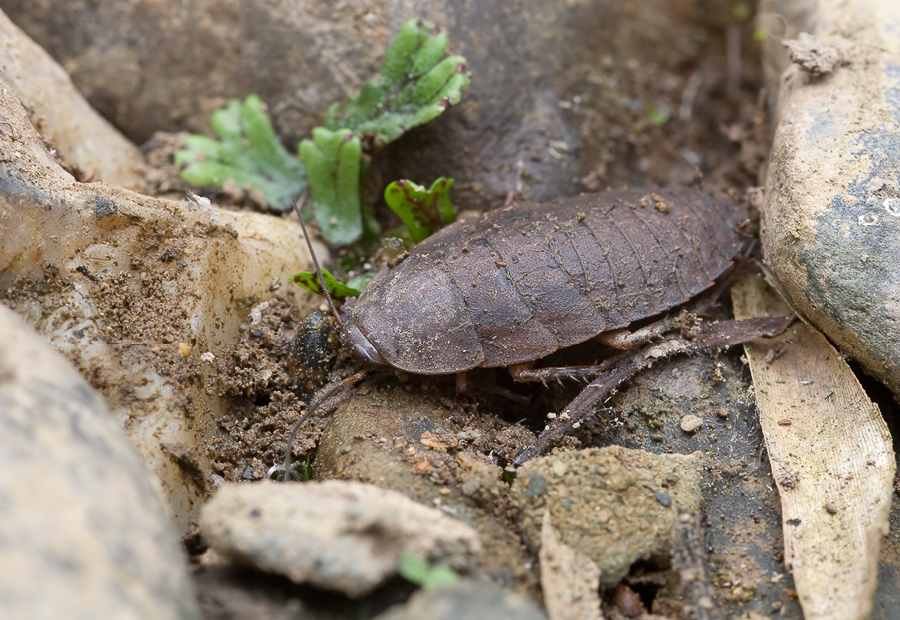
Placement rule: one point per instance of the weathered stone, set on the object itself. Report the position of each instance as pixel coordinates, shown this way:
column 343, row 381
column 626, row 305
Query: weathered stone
column 91, row 267
column 85, row 535
column 831, row 218
column 605, row 503
column 466, row 599
column 376, row 437
column 344, row 536
column 83, row 138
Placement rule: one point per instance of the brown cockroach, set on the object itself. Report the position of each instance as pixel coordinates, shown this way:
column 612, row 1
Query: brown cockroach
column 520, row 282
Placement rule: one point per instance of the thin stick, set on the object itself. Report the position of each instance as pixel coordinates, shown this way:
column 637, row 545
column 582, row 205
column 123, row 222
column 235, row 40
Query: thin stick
column 298, row 204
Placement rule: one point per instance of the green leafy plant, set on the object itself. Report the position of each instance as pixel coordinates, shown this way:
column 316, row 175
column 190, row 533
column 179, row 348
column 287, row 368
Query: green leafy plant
column 247, row 151
column 332, row 159
column 336, row 289
column 416, row 84
column 423, row 211
column 420, row 572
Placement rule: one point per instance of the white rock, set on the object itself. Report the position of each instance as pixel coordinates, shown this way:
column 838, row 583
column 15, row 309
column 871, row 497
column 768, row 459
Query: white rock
column 84, row 535
column 344, row 536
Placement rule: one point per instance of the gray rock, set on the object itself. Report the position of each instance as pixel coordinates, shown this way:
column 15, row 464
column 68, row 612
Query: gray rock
column 831, row 219
column 344, row 536
column 380, row 435
column 560, row 90
column 88, row 265
column 82, row 137
column 466, row 600
column 84, row 535
column 613, row 504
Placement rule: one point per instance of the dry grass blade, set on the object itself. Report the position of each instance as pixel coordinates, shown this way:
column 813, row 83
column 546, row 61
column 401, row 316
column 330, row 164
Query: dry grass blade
column 831, row 457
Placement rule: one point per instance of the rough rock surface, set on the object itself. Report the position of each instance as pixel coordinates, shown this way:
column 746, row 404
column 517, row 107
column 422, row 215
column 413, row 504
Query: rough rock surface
column 85, row 535
column 66, row 121
column 464, row 600
column 344, row 536
column 613, row 504
column 570, row 580
column 561, row 91
column 428, row 447
column 831, row 219
column 136, row 291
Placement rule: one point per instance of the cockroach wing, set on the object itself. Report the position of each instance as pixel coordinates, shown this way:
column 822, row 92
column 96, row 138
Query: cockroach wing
column 523, row 281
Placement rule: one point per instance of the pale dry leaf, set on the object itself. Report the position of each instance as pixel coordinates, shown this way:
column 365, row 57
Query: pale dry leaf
column 833, row 462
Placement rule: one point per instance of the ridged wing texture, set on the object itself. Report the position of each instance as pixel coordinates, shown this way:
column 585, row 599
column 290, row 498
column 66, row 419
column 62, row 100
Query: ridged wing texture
column 523, row 281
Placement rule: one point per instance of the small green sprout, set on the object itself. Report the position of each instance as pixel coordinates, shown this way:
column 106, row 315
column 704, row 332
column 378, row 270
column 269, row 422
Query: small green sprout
column 337, row 290
column 416, row 84
column 423, row 211
column 248, row 151
column 420, row 572
column 658, row 116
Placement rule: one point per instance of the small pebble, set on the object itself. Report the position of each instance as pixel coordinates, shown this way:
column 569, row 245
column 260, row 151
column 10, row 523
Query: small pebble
column 691, row 423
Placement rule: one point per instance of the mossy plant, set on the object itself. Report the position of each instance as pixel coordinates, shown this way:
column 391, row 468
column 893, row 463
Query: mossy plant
column 417, row 83
column 247, row 151
column 336, row 289
column 422, row 211
column 333, row 161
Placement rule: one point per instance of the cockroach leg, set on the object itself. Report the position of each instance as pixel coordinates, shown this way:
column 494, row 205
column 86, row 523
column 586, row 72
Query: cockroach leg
column 625, row 339
column 464, row 382
column 622, row 339
column 712, row 336
column 524, row 375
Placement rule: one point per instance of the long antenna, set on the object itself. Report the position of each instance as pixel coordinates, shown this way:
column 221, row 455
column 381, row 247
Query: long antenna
column 317, row 401
column 298, row 204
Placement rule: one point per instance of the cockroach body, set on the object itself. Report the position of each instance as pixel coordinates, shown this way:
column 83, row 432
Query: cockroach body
column 523, row 281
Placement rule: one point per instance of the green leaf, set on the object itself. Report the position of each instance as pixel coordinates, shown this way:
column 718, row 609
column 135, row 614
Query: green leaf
column 337, row 290
column 415, row 86
column 658, row 116
column 420, row 572
column 332, row 160
column 247, row 151
column 412, row 568
column 423, row 211
column 440, row 576
column 359, row 283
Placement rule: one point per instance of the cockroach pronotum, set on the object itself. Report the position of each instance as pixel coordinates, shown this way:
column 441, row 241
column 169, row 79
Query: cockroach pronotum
column 520, row 282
